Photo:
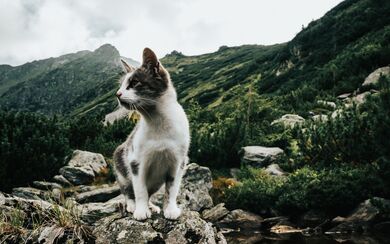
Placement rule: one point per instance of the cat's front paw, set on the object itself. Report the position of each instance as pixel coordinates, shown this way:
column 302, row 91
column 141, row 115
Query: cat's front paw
column 142, row 213
column 172, row 212
column 130, row 206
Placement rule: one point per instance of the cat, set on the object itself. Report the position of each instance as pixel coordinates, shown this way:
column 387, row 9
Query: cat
column 155, row 153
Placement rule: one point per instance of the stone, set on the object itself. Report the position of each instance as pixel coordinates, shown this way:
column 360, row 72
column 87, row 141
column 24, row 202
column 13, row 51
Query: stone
column 194, row 191
column 95, row 161
column 320, row 118
column 363, row 217
column 239, row 218
column 188, row 228
column 78, row 175
column 62, row 181
column 274, row 169
column 258, row 156
column 327, row 104
column 28, row 193
column 102, row 194
column 373, row 78
column 284, row 229
column 216, row 213
column 44, row 185
column 289, row 120
column 360, row 98
column 92, row 212
column 344, row 96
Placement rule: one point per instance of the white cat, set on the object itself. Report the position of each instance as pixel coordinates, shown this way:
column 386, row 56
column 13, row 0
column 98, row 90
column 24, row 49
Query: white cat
column 156, row 150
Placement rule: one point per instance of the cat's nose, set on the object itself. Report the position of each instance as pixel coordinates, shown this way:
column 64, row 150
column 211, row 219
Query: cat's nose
column 119, row 94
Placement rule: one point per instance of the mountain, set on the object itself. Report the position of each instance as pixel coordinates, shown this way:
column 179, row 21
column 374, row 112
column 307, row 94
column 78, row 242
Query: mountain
column 63, row 84
column 330, row 56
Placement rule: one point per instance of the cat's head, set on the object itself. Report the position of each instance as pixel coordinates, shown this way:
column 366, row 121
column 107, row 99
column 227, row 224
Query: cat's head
column 141, row 88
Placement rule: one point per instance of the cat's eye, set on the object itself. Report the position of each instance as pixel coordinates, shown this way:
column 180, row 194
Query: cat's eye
column 133, row 84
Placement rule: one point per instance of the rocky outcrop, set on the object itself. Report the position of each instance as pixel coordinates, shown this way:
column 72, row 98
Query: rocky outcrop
column 258, row 156
column 289, row 120
column 44, row 185
column 29, row 193
column 364, row 217
column 189, row 228
column 373, row 78
column 83, row 167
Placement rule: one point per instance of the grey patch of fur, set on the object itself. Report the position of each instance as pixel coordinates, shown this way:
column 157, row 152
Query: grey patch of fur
column 119, row 158
column 134, row 167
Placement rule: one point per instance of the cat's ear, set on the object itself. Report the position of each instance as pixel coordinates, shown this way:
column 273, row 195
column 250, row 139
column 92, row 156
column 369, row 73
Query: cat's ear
column 127, row 67
column 150, row 61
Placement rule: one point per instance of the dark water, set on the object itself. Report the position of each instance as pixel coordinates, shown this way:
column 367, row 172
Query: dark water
column 298, row 238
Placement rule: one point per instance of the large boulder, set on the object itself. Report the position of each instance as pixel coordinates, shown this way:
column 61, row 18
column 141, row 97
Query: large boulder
column 83, row 167
column 189, row 228
column 241, row 219
column 101, row 194
column 117, row 114
column 372, row 79
column 363, row 217
column 258, row 156
column 289, row 120
column 194, row 192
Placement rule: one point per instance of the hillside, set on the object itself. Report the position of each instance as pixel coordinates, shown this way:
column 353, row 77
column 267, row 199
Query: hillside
column 61, row 85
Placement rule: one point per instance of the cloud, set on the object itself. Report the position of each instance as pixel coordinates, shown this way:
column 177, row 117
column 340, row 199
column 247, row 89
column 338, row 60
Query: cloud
column 37, row 29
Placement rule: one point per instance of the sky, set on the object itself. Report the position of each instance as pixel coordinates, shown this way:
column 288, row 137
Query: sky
column 37, row 29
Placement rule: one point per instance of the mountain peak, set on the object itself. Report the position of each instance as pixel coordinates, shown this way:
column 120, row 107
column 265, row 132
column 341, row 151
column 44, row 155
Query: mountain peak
column 107, row 49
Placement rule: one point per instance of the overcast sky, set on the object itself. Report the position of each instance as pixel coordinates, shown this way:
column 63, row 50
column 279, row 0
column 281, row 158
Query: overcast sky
column 38, row 29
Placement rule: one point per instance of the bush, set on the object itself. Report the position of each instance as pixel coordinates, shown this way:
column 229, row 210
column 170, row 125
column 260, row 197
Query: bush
column 331, row 190
column 32, row 147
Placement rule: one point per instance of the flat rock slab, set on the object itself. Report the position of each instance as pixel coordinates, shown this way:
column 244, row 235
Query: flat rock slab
column 78, row 175
column 189, row 228
column 216, row 213
column 28, row 193
column 258, row 156
column 44, row 185
column 98, row 195
column 289, row 120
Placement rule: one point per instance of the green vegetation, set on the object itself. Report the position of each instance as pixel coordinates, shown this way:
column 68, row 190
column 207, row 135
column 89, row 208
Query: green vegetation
column 231, row 97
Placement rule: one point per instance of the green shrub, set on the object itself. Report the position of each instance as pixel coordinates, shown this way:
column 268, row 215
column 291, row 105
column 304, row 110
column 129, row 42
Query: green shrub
column 32, row 147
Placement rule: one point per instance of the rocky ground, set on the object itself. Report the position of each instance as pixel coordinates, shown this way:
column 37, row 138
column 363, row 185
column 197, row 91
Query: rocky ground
column 72, row 208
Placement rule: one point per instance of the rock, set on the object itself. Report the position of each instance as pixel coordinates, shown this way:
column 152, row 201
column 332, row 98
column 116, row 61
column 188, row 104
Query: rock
column 28, row 193
column 289, row 120
column 62, row 181
column 216, row 213
column 373, row 78
column 269, row 222
column 284, row 229
column 51, row 234
column 361, row 98
column 337, row 113
column 102, row 194
column 83, row 167
column 189, row 228
column 95, row 161
column 43, row 185
column 91, row 212
column 257, row 156
column 194, row 191
column 320, row 118
column 363, row 217
column 344, row 96
column 313, row 218
column 78, row 175
column 327, row 104
column 117, row 114
column 240, row 219
column 274, row 169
